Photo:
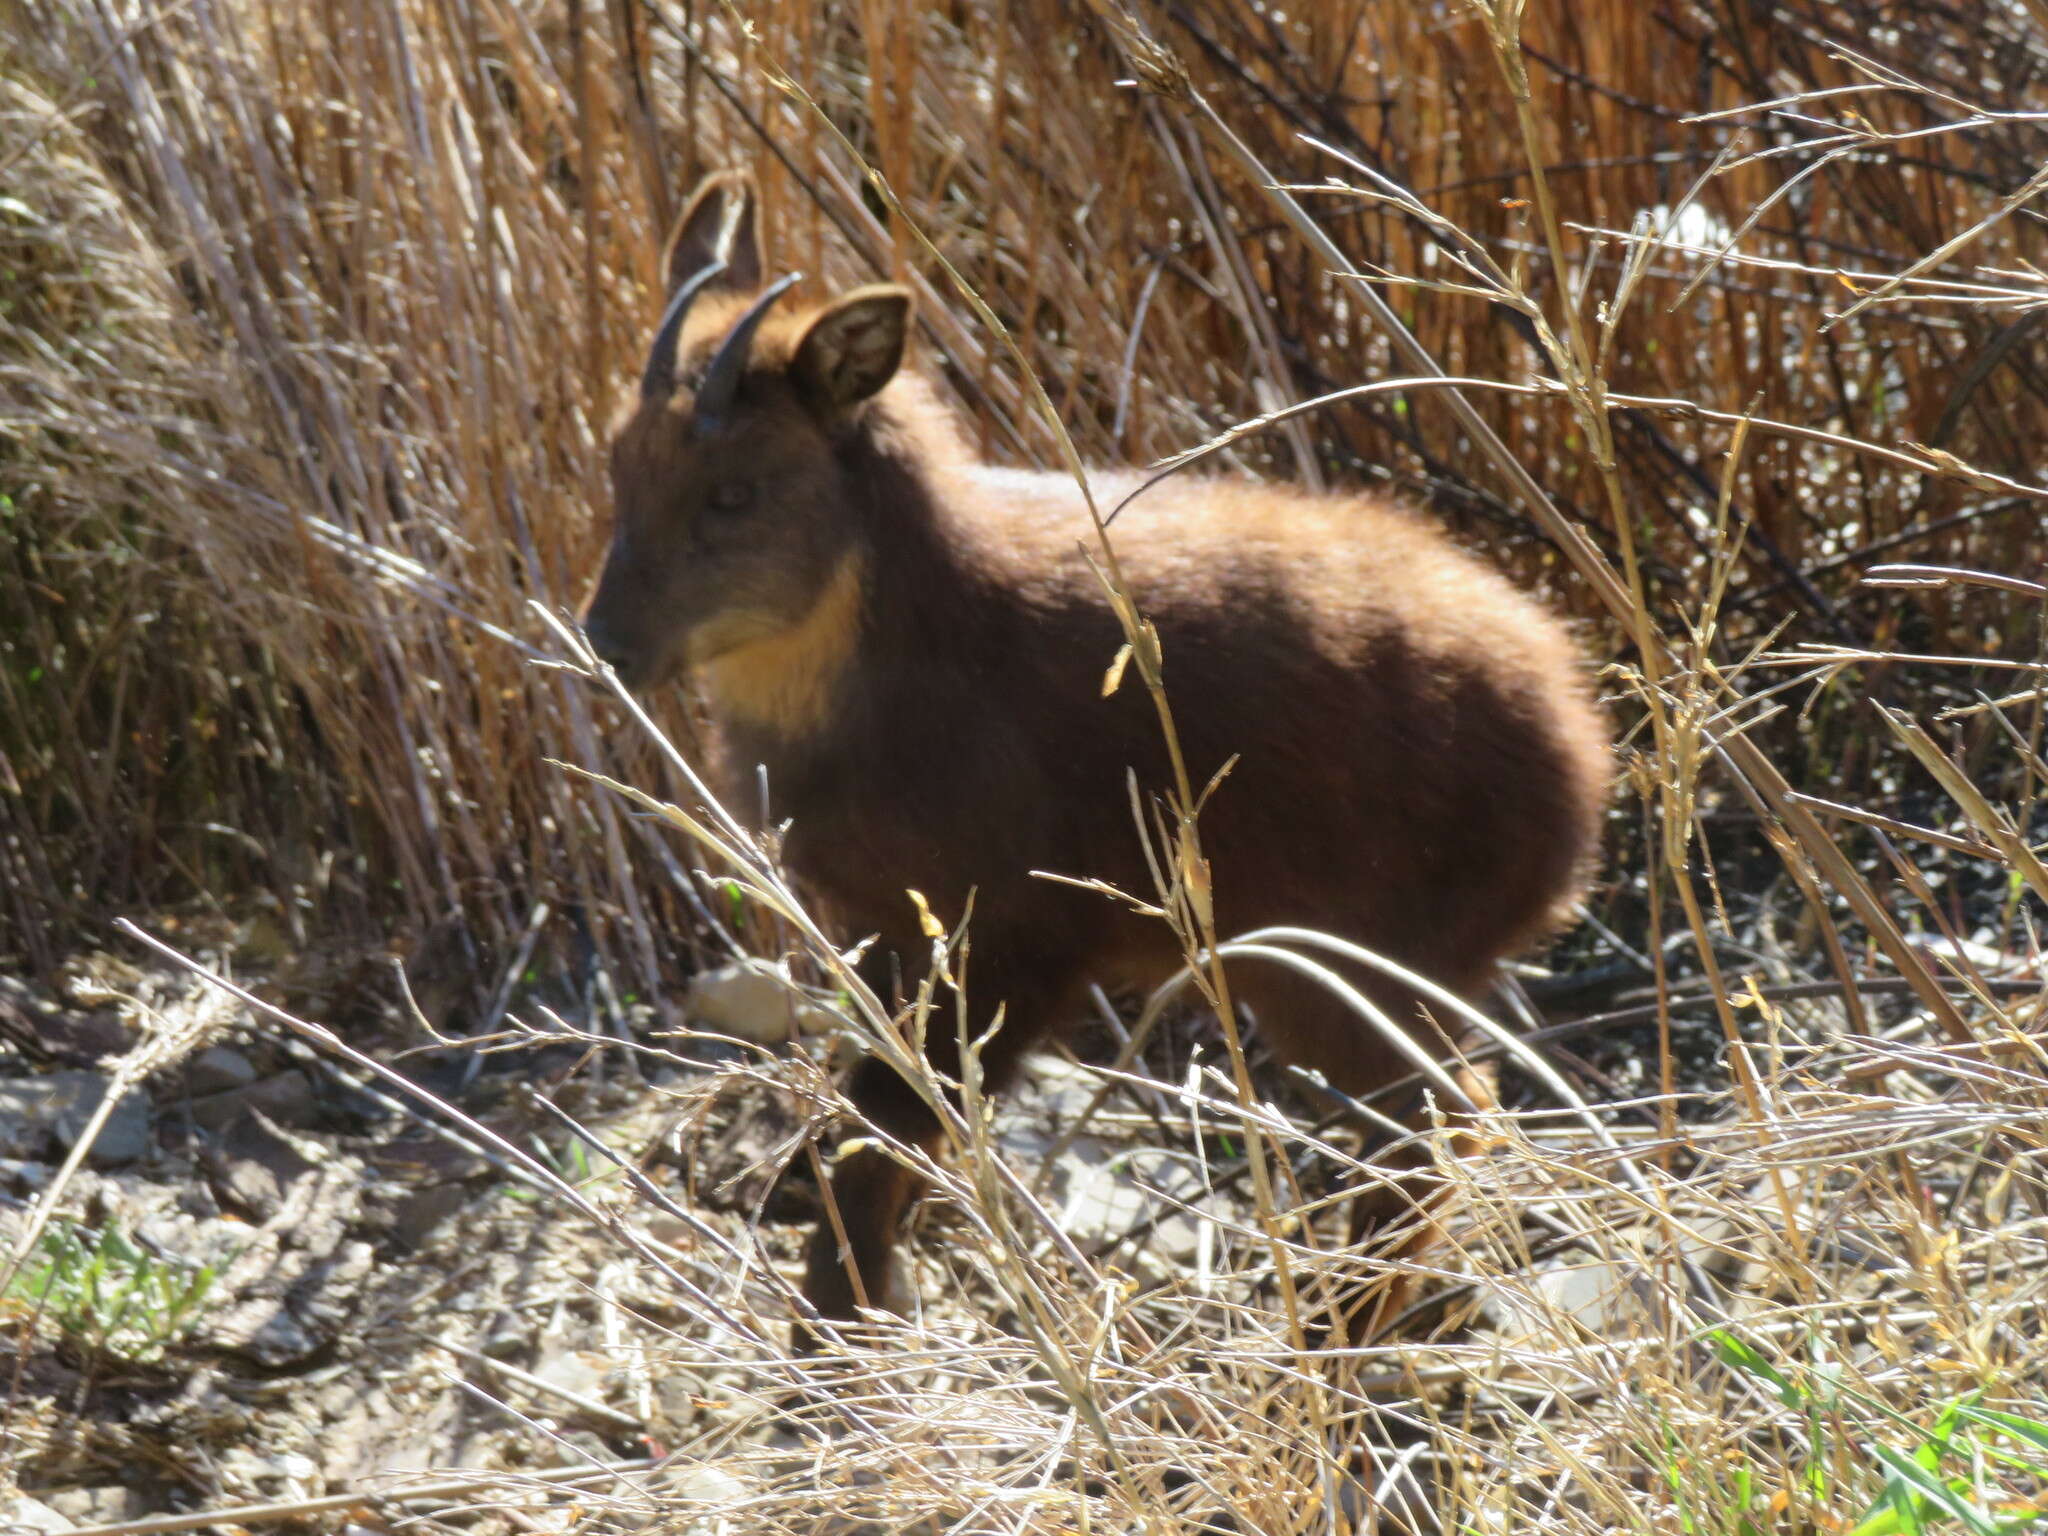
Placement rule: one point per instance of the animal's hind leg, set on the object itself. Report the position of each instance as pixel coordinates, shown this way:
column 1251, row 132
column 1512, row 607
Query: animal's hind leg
column 1410, row 1194
column 1307, row 1025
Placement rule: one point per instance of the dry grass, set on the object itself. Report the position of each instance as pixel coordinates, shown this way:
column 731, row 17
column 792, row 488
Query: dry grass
column 366, row 281
column 113, row 759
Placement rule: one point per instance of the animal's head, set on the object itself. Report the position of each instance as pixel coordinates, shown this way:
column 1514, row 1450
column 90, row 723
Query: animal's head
column 732, row 512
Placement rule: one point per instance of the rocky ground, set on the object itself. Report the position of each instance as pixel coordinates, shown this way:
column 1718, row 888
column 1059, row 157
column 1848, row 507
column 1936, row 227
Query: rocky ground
column 263, row 1282
column 271, row 1278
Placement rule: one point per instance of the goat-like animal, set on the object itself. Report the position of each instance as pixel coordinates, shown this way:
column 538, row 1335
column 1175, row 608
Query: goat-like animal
column 914, row 646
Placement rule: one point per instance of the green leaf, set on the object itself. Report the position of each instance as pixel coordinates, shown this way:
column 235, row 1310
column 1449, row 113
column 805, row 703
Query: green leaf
column 1905, row 1506
column 1733, row 1351
column 1939, row 1437
column 1883, row 1520
column 2029, row 1430
column 1909, row 1478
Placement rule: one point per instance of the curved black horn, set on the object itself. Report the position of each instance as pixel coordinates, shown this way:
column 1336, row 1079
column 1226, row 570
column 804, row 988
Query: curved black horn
column 660, row 376
column 722, row 377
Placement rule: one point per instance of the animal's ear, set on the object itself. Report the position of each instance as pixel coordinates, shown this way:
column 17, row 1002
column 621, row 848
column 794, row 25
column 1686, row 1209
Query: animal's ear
column 853, row 347
column 719, row 224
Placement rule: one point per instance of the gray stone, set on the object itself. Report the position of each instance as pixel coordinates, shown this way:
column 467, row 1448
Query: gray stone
column 43, row 1115
column 24, row 1119
column 126, row 1136
column 253, row 1165
column 707, row 1501
column 578, row 1447
column 1102, row 1189
column 580, row 1371
column 59, row 1034
column 24, row 1177
column 418, row 1213
column 298, row 1309
column 217, row 1069
column 286, row 1098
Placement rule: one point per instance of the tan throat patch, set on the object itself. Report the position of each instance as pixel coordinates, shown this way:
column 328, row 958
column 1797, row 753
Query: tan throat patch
column 783, row 681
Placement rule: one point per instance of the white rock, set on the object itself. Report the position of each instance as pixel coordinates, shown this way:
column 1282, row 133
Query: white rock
column 25, row 1514
column 752, row 1000
column 1609, row 1300
column 708, row 1498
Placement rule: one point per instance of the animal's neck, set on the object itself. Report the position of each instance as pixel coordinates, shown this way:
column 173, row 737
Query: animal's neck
column 926, row 601
column 784, row 685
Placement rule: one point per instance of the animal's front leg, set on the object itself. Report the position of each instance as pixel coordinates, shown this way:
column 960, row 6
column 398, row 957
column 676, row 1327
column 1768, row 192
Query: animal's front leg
column 869, row 1190
column 867, row 1195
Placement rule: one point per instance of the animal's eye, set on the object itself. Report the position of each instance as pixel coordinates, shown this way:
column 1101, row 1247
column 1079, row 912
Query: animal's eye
column 732, row 495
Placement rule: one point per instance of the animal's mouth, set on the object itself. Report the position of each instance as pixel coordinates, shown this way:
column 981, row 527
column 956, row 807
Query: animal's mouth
column 634, row 676
column 638, row 670
column 723, row 634
column 702, row 649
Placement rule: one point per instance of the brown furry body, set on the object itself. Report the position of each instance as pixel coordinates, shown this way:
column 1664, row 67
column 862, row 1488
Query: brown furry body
column 915, row 649
column 1417, row 765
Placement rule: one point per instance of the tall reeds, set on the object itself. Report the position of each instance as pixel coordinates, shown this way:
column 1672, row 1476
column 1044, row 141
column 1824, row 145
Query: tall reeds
column 388, row 262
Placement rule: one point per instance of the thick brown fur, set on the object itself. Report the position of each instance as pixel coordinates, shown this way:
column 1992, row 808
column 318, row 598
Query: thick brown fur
column 914, row 646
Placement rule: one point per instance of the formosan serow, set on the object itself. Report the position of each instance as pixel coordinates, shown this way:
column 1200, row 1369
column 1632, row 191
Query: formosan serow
column 913, row 645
